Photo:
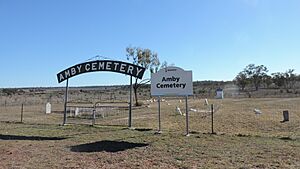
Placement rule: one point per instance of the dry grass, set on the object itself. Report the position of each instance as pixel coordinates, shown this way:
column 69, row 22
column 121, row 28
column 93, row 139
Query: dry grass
column 243, row 139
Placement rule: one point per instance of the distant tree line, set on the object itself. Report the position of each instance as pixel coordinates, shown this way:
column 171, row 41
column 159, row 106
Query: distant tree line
column 12, row 91
column 256, row 77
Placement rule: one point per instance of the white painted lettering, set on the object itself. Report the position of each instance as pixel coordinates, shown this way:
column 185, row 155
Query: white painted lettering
column 116, row 65
column 79, row 68
column 122, row 67
column 108, row 65
column 73, row 71
column 61, row 77
column 94, row 66
column 101, row 65
column 67, row 73
column 130, row 69
column 87, row 67
column 138, row 71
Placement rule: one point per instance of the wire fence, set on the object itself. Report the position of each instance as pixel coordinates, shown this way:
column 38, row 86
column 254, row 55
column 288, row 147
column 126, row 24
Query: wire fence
column 248, row 116
column 100, row 113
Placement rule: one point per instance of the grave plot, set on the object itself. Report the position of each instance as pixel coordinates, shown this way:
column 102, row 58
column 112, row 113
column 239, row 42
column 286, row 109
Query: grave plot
column 100, row 113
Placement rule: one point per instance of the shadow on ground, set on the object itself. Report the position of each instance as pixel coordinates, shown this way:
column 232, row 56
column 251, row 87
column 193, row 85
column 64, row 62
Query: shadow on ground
column 106, row 145
column 143, row 129
column 33, row 138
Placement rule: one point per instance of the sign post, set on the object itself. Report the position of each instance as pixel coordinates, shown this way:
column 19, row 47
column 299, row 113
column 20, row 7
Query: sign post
column 172, row 81
column 130, row 105
column 159, row 121
column 187, row 116
column 66, row 100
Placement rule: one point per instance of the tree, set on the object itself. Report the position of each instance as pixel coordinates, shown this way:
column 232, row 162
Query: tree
column 145, row 58
column 279, row 79
column 164, row 65
column 286, row 80
column 267, row 80
column 256, row 74
column 291, row 79
column 241, row 80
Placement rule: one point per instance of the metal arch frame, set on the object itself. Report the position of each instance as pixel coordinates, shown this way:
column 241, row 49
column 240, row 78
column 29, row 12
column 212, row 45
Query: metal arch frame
column 92, row 66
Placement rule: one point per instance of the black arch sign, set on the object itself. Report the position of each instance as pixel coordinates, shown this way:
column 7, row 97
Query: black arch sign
column 101, row 65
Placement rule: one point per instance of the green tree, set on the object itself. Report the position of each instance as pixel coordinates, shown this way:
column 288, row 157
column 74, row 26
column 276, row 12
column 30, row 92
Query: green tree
column 285, row 80
column 145, row 58
column 241, row 80
column 267, row 80
column 278, row 79
column 256, row 74
column 291, row 79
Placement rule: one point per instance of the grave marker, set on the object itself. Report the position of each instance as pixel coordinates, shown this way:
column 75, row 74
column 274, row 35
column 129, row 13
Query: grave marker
column 285, row 116
column 48, row 108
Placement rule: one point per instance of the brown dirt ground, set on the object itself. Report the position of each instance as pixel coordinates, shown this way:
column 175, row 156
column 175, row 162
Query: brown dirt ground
column 243, row 139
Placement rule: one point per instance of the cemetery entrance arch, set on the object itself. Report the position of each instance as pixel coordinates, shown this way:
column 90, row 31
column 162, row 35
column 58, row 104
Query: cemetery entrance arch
column 100, row 65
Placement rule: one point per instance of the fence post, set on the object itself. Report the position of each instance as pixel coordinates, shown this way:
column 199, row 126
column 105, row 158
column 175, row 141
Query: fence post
column 94, row 115
column 212, row 119
column 22, row 113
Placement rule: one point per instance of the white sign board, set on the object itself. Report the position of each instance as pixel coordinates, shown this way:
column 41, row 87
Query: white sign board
column 172, row 81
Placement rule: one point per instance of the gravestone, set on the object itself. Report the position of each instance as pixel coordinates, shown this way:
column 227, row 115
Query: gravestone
column 206, row 102
column 257, row 111
column 178, row 110
column 77, row 111
column 285, row 116
column 48, row 108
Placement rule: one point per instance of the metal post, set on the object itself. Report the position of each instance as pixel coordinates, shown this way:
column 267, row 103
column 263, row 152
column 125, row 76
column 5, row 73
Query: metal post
column 212, row 119
column 94, row 115
column 66, row 100
column 187, row 116
column 159, row 121
column 22, row 113
column 130, row 104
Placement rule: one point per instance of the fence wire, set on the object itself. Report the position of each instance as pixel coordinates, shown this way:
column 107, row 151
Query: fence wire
column 248, row 116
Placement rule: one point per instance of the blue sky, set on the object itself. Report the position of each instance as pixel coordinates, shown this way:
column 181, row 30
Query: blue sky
column 215, row 39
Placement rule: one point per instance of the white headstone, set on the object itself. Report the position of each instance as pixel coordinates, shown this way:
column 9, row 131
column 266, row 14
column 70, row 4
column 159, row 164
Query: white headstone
column 77, row 111
column 48, row 108
column 219, row 94
column 206, row 102
column 257, row 111
column 178, row 110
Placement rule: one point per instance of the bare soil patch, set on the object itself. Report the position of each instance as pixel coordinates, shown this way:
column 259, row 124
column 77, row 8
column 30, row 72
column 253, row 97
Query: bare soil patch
column 243, row 139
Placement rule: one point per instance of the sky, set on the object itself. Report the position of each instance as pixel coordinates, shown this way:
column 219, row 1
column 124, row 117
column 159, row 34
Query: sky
column 216, row 39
